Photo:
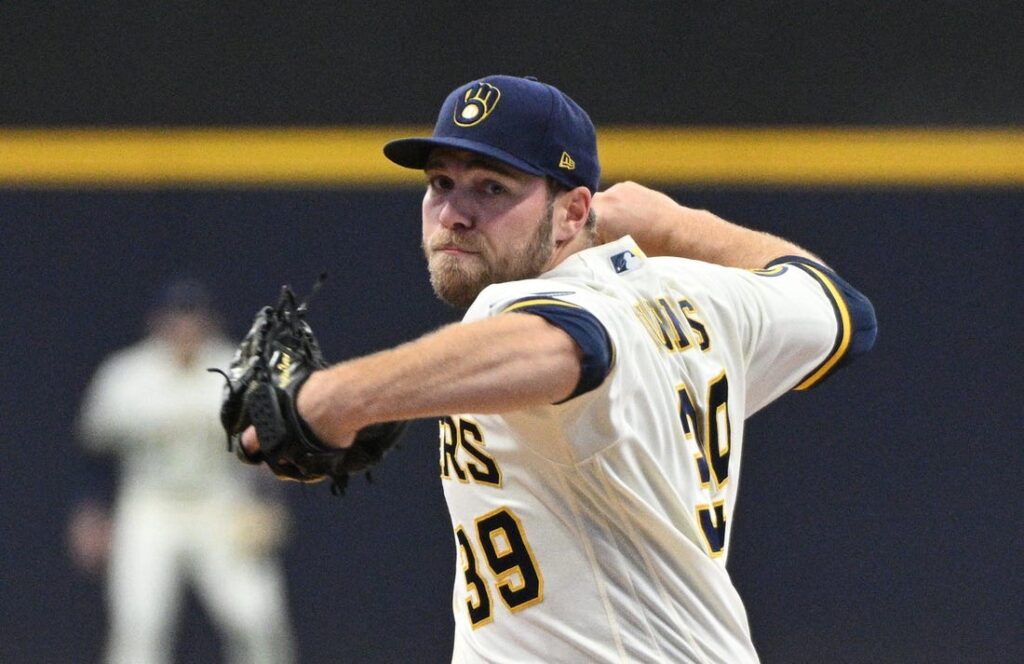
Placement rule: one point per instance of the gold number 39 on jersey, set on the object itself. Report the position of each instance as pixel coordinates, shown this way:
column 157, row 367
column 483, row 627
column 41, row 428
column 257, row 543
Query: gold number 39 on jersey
column 507, row 553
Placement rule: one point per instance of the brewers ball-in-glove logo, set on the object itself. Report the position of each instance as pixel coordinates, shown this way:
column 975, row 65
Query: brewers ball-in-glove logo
column 477, row 103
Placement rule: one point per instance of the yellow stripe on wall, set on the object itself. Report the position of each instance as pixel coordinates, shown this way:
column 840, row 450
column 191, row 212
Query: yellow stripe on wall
column 817, row 156
column 130, row 156
column 351, row 156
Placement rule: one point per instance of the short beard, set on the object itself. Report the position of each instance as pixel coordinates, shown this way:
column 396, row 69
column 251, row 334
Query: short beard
column 459, row 287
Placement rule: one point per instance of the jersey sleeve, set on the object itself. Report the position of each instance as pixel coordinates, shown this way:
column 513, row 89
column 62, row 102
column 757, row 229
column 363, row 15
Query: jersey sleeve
column 805, row 322
column 111, row 417
column 597, row 352
column 856, row 325
column 591, row 337
column 98, row 424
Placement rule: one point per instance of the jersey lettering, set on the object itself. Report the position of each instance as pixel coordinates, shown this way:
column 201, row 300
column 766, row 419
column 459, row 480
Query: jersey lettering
column 700, row 330
column 662, row 323
column 711, row 439
column 509, row 557
column 688, row 418
column 478, row 594
column 449, row 448
column 462, row 452
column 663, row 319
column 716, row 429
column 712, row 526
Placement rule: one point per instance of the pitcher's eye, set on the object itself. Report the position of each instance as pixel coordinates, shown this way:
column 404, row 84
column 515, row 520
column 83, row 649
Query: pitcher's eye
column 440, row 183
column 495, row 188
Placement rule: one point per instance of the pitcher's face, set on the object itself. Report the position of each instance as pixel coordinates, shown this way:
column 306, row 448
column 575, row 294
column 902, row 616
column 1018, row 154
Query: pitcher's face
column 483, row 223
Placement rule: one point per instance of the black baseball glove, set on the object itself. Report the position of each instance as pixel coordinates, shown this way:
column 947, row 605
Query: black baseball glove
column 273, row 361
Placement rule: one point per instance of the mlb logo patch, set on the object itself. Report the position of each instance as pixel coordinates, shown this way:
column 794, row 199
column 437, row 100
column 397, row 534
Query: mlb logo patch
column 625, row 261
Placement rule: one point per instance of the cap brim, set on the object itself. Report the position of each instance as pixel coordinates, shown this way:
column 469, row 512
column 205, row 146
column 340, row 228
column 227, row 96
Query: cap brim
column 414, row 152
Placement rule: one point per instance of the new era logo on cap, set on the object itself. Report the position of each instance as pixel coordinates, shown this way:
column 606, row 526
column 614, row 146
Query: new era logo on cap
column 531, row 126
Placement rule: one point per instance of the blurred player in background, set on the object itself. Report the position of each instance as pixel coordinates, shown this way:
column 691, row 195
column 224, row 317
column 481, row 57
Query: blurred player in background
column 594, row 395
column 185, row 511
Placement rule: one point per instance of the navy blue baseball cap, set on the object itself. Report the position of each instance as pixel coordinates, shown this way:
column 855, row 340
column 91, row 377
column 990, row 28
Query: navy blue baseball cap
column 529, row 125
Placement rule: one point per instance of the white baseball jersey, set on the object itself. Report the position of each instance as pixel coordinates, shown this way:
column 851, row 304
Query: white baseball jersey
column 597, row 530
column 162, row 421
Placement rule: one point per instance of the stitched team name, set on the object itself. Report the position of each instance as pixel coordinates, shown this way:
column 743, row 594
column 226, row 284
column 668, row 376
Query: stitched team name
column 462, row 452
column 675, row 324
